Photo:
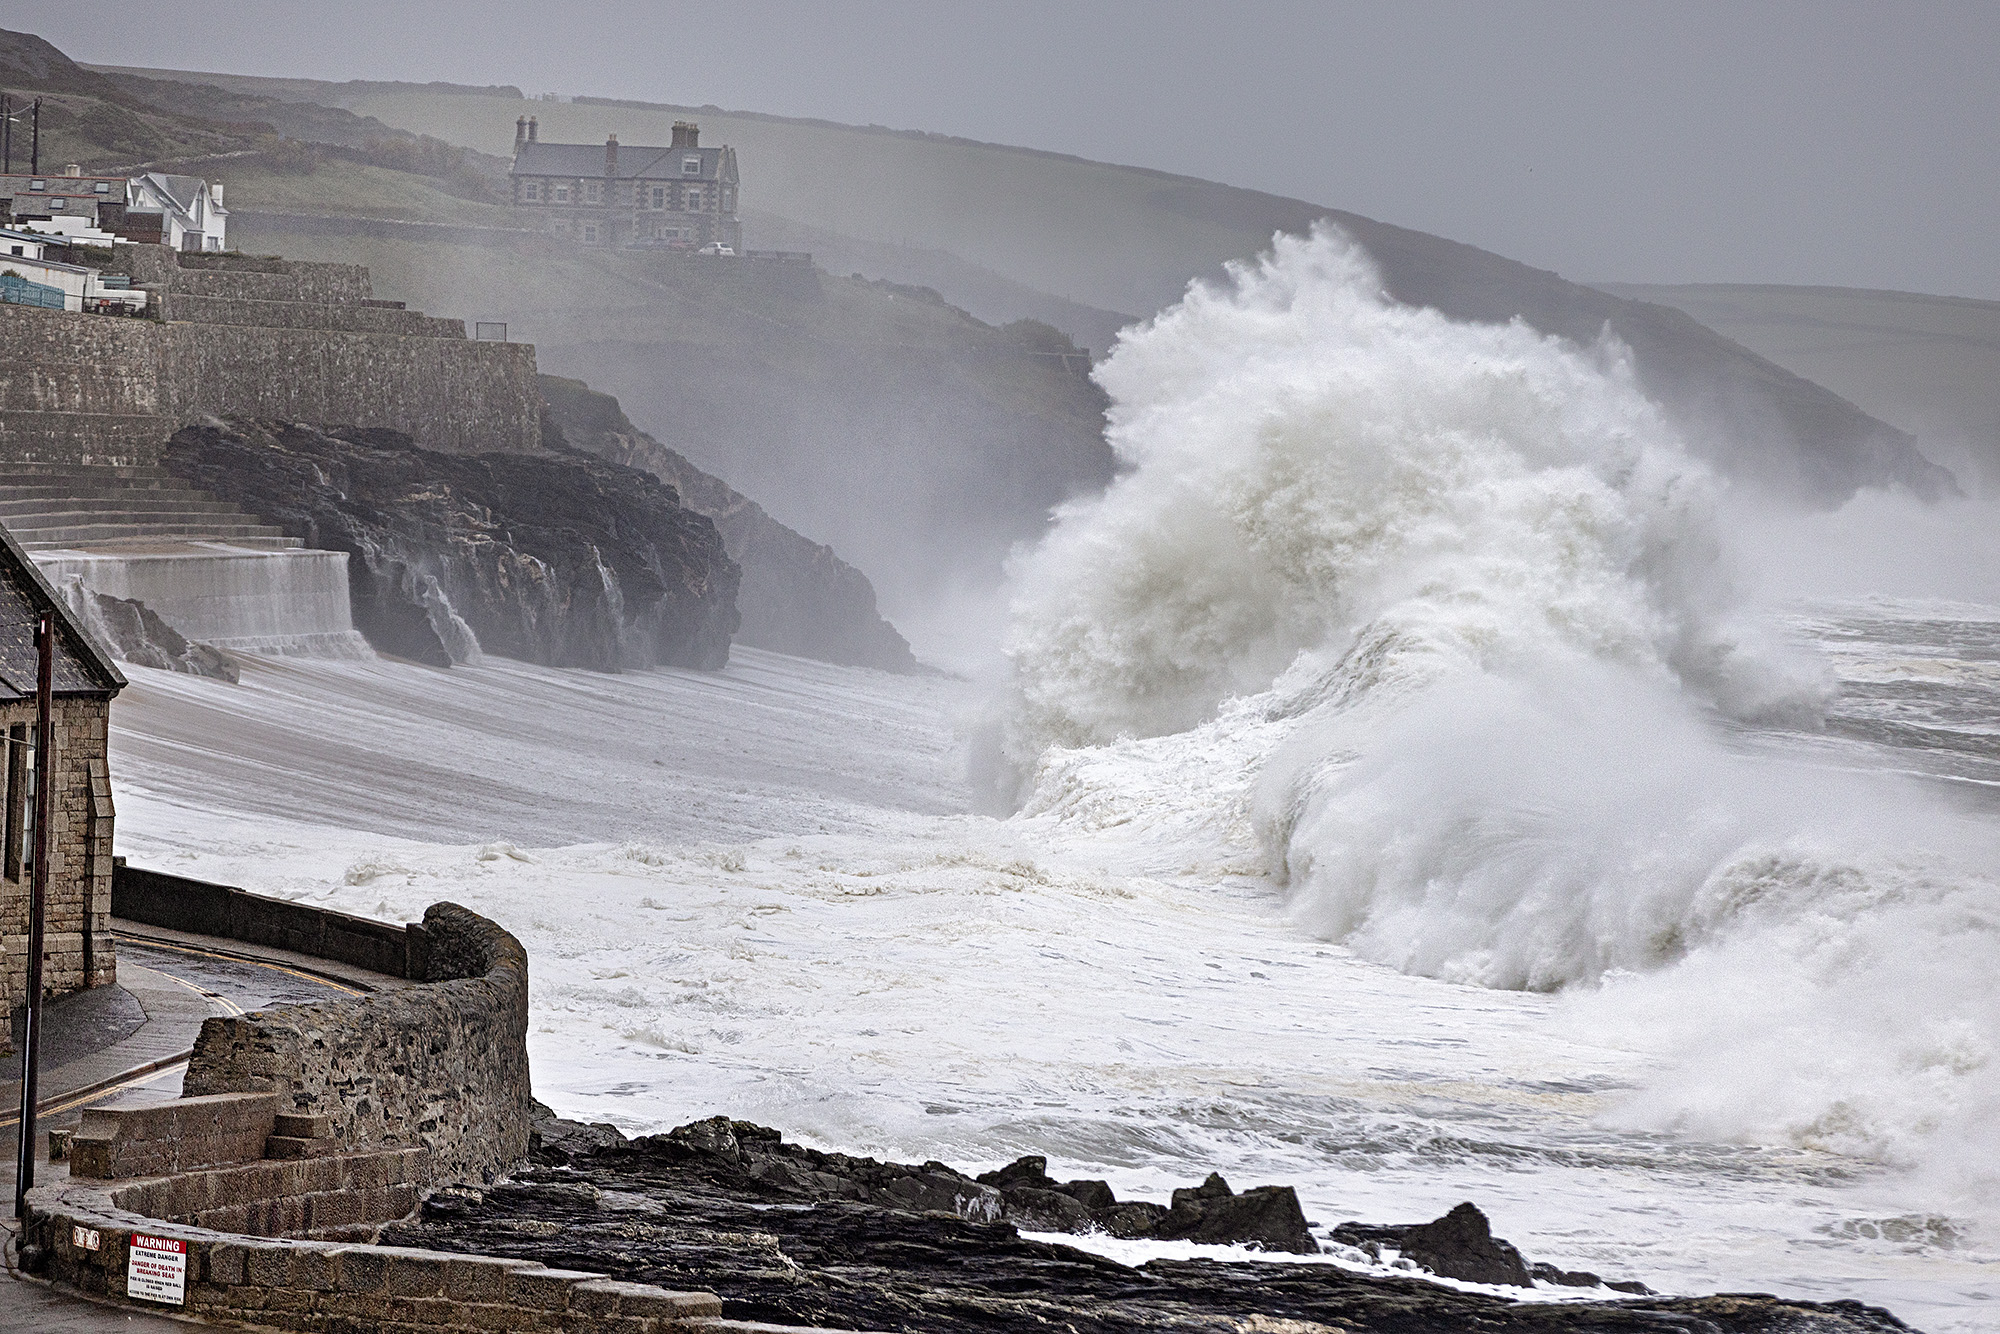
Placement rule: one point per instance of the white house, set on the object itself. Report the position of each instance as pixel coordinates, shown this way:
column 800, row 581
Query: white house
column 192, row 215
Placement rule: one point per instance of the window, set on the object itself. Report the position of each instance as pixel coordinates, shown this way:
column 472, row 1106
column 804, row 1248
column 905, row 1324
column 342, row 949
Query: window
column 19, row 818
column 531, row 192
column 55, row 206
column 593, row 192
column 659, row 196
column 690, row 166
column 694, row 197
column 589, row 233
column 559, row 193
column 38, row 185
column 102, row 187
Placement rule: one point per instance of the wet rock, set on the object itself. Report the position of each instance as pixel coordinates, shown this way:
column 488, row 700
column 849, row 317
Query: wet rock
column 1093, row 1195
column 1583, row 1278
column 1267, row 1217
column 563, row 560
column 137, row 634
column 1132, row 1220
column 1460, row 1245
column 1044, row 1210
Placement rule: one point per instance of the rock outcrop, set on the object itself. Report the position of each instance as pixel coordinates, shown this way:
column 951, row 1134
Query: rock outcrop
column 788, row 1235
column 568, row 561
column 797, row 596
column 135, row 633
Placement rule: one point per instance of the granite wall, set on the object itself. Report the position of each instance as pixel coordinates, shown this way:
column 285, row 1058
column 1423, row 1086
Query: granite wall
column 441, row 1067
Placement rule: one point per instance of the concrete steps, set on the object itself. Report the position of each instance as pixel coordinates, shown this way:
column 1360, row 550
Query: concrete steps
column 54, row 505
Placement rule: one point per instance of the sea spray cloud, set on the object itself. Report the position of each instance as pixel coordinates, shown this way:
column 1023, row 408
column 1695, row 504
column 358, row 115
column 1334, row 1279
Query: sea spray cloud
column 1437, row 617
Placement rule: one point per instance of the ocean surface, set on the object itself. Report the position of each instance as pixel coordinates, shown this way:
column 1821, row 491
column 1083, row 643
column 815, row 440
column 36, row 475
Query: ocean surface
column 1415, row 796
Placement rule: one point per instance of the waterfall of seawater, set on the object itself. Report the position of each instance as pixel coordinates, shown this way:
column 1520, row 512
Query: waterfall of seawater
column 245, row 601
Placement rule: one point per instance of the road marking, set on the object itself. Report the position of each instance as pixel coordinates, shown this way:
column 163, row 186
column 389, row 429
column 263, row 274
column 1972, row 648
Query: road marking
column 148, row 942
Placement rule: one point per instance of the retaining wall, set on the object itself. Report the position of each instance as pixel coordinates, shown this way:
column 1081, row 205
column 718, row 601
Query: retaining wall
column 259, row 338
column 181, row 904
column 442, row 1067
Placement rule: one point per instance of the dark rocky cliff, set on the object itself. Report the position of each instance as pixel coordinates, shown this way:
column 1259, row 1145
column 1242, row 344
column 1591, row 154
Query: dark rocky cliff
column 797, row 596
column 568, row 561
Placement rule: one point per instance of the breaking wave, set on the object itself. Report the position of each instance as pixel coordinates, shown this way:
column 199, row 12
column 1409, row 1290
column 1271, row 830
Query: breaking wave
column 1436, row 623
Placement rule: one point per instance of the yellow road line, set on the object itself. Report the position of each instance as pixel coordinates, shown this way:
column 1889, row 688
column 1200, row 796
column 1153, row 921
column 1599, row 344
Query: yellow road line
column 147, row 942
column 69, row 1104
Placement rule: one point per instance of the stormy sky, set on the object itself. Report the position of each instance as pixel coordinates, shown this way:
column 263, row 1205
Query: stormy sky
column 1833, row 142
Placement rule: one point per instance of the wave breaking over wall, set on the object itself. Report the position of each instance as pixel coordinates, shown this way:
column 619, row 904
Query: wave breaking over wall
column 1434, row 623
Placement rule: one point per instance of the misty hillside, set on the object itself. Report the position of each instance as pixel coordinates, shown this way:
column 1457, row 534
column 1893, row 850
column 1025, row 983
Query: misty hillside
column 1125, row 239
column 1924, row 364
column 919, row 442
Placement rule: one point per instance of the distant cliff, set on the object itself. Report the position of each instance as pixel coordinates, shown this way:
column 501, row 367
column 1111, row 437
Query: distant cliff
column 568, row 561
column 797, row 596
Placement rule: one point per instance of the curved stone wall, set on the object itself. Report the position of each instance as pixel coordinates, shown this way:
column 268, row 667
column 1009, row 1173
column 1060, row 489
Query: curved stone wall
column 442, row 1067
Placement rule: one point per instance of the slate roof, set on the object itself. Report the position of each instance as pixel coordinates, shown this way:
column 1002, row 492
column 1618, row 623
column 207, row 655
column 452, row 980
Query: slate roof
column 635, row 161
column 81, row 666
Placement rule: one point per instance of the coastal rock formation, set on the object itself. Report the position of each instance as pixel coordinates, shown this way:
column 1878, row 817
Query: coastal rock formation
column 788, row 1235
column 797, row 596
column 135, row 633
column 569, row 561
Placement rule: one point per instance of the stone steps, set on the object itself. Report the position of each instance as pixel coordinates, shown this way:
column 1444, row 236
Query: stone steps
column 51, row 505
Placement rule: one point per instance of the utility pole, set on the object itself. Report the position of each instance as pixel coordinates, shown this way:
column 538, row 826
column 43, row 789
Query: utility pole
column 35, row 160
column 6, row 135
column 38, row 893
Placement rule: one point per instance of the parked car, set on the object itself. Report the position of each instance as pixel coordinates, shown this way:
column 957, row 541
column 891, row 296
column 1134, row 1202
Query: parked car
column 716, row 248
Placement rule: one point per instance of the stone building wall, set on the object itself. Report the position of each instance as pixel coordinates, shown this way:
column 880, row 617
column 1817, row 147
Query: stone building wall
column 442, row 1067
column 250, row 337
column 77, row 929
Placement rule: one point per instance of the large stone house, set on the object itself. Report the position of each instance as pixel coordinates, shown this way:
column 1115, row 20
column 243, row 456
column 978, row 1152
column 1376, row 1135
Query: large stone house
column 612, row 194
column 77, row 948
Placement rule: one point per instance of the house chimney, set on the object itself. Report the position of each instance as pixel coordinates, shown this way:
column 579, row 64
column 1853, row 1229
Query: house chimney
column 73, row 169
column 215, row 193
column 532, row 129
column 687, row 134
column 520, row 132
column 611, row 158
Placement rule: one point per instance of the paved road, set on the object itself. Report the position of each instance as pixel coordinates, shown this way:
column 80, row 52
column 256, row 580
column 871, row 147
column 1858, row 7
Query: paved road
column 128, row 1044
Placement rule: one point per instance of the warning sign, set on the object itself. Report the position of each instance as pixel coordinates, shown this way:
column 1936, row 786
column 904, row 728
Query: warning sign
column 156, row 1269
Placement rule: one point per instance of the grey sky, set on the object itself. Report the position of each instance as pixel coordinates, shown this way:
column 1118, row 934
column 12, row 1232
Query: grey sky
column 1833, row 142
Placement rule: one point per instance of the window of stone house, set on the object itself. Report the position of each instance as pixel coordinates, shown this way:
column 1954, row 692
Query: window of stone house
column 690, row 166
column 19, row 817
column 694, row 198
column 531, row 191
column 658, row 196
column 102, row 187
column 38, row 185
column 559, row 193
column 589, row 233
column 593, row 192
column 55, row 205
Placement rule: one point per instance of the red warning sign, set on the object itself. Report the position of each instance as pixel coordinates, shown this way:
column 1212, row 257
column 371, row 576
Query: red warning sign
column 156, row 1269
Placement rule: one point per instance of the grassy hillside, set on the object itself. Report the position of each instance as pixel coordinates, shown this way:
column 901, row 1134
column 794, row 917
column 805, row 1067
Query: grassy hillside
column 1123, row 239
column 1929, row 365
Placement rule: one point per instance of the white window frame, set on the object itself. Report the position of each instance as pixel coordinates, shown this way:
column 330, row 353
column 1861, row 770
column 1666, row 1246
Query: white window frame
column 531, row 191
column 559, row 194
column 690, row 166
column 593, row 192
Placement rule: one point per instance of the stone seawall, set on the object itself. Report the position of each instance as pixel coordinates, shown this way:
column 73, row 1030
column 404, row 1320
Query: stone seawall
column 442, row 1067
column 247, row 337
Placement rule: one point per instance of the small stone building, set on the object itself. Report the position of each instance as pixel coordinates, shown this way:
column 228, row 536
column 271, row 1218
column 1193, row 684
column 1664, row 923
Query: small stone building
column 77, row 929
column 682, row 196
